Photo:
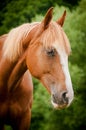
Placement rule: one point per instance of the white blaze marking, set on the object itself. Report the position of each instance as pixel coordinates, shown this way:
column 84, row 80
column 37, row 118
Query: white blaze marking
column 64, row 63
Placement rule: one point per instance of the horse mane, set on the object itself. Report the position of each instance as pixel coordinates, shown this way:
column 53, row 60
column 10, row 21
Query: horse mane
column 13, row 45
column 52, row 36
column 55, row 36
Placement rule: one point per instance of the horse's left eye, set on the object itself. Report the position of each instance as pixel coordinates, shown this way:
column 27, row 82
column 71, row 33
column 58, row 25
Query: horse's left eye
column 51, row 52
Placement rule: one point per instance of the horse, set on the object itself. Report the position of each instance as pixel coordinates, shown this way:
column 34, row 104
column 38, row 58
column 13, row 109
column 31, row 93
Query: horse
column 38, row 49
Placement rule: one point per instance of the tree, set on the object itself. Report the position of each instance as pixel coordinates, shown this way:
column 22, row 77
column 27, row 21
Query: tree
column 16, row 12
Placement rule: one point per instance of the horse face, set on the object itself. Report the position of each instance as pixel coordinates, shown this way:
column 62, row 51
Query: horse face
column 57, row 78
column 50, row 66
column 47, row 60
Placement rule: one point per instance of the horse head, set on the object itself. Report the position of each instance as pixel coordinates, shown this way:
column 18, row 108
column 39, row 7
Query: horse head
column 47, row 59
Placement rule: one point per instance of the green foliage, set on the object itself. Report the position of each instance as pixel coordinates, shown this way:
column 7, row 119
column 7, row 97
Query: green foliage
column 8, row 127
column 16, row 12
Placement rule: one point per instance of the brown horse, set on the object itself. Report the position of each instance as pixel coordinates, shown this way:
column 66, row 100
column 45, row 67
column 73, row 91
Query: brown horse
column 41, row 49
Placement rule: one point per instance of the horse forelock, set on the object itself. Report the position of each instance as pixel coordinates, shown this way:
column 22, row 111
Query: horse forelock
column 54, row 36
column 13, row 45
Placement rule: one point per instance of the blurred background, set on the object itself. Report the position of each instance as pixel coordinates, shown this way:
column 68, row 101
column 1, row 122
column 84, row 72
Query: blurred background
column 16, row 12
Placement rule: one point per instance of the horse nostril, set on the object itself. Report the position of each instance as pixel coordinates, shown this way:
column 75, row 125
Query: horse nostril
column 61, row 98
column 64, row 97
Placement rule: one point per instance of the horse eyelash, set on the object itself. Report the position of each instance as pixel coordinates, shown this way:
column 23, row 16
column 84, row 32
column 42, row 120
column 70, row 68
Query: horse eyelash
column 51, row 52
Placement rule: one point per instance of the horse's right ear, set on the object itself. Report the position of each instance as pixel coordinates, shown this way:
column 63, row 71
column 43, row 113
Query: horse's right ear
column 47, row 18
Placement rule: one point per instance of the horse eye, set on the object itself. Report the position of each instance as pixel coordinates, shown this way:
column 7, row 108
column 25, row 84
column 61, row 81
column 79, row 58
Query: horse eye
column 51, row 52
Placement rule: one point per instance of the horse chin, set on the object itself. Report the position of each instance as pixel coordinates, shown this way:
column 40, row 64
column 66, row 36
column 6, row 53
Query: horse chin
column 58, row 106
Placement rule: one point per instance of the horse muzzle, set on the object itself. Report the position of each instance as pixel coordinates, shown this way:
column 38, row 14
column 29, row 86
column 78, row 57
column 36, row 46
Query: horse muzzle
column 60, row 101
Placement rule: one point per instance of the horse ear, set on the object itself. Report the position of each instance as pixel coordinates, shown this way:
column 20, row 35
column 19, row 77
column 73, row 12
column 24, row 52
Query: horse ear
column 48, row 18
column 62, row 19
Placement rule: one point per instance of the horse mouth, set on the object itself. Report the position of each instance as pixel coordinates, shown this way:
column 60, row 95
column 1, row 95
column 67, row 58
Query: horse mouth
column 59, row 106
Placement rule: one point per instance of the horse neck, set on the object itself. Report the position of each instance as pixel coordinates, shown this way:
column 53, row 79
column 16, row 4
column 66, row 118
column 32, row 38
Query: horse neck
column 10, row 72
column 5, row 65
